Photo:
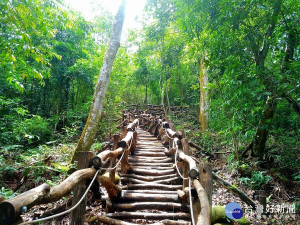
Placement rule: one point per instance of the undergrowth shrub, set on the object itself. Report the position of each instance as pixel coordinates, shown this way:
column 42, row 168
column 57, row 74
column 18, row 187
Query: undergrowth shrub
column 257, row 179
column 19, row 127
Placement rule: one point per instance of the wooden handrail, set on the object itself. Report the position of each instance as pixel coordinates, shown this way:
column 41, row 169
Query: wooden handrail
column 42, row 194
column 10, row 209
column 110, row 154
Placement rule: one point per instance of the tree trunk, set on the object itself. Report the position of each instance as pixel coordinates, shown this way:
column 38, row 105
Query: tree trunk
column 90, row 129
column 167, row 96
column 146, row 94
column 262, row 129
column 45, row 113
column 260, row 54
column 203, row 80
column 161, row 84
column 66, row 90
column 161, row 91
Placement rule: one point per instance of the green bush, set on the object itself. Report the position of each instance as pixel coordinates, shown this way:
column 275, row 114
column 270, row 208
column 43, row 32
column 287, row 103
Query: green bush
column 19, row 127
column 256, row 180
column 6, row 193
column 32, row 130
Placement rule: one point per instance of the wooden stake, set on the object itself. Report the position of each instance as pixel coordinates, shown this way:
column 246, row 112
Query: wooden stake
column 112, row 190
column 205, row 177
column 112, row 173
column 185, row 165
column 77, row 215
column 205, row 212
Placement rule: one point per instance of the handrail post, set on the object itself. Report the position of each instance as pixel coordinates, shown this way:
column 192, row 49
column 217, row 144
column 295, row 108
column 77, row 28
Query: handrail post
column 171, row 140
column 124, row 161
column 128, row 117
column 205, row 178
column 185, row 165
column 123, row 131
column 123, row 116
column 77, row 215
column 116, row 139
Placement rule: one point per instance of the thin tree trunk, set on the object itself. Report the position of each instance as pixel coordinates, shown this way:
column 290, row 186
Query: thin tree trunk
column 67, row 94
column 44, row 98
column 161, row 85
column 90, row 129
column 167, row 96
column 146, row 94
column 262, row 129
column 161, row 91
column 203, row 80
column 77, row 93
column 58, row 101
column 179, row 83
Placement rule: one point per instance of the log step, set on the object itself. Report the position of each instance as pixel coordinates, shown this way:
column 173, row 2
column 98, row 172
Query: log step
column 149, row 154
column 149, row 157
column 151, row 143
column 148, row 146
column 107, row 220
column 144, row 160
column 163, row 206
column 150, row 191
column 152, row 186
column 151, row 216
column 167, row 165
column 152, row 172
column 146, row 139
column 153, row 168
column 146, row 197
column 150, row 150
column 175, row 180
column 150, row 178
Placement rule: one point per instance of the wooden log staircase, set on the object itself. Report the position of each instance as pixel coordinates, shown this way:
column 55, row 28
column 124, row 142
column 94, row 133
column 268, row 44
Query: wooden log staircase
column 151, row 189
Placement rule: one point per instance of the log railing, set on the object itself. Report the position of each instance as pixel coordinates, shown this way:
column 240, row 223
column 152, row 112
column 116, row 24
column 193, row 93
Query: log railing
column 105, row 161
column 199, row 175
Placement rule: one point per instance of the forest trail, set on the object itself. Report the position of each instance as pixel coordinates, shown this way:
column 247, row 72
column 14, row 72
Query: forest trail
column 149, row 193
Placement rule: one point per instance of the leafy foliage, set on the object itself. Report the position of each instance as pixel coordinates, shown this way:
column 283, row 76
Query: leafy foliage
column 6, row 193
column 256, row 180
column 26, row 35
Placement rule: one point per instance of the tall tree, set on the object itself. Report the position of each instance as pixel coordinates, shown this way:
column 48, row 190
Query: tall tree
column 163, row 13
column 90, row 129
column 203, row 81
